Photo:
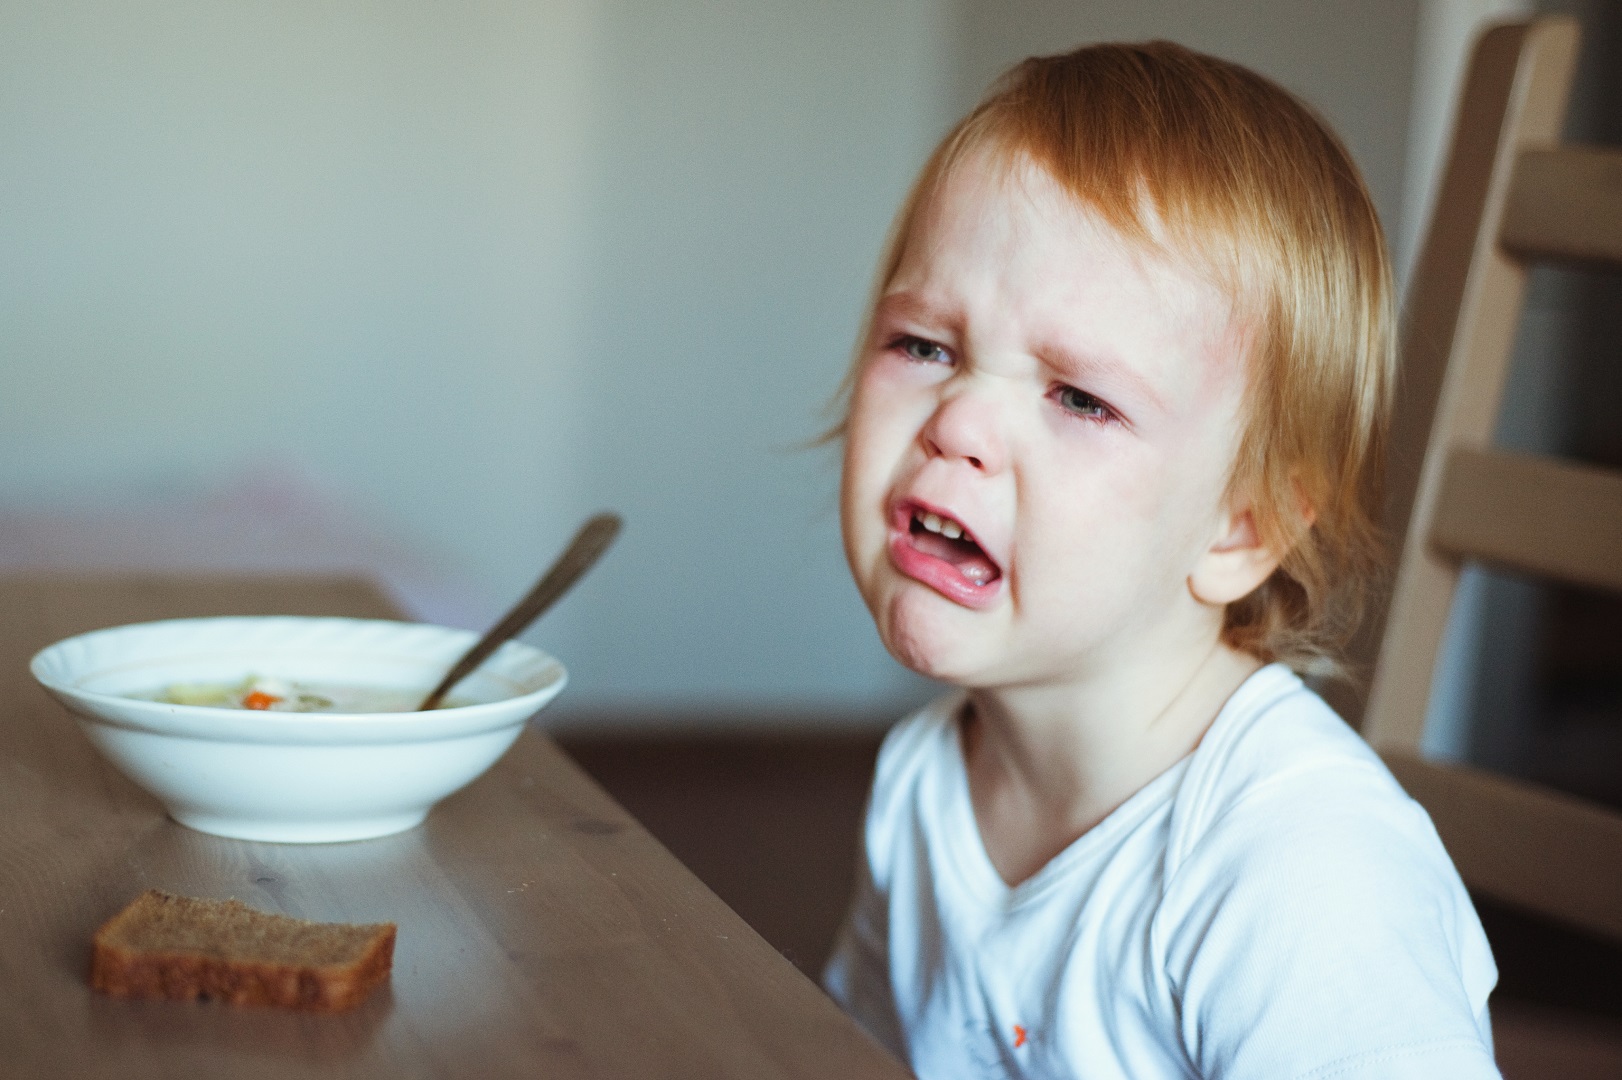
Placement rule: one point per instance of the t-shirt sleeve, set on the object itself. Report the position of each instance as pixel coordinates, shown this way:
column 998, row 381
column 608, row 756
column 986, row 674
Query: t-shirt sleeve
column 1324, row 935
column 858, row 972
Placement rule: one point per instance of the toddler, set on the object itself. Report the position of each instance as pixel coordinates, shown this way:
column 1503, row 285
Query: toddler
column 1110, row 457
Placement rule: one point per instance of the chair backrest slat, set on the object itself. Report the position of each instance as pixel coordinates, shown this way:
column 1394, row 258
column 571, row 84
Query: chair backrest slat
column 1566, row 205
column 1536, row 515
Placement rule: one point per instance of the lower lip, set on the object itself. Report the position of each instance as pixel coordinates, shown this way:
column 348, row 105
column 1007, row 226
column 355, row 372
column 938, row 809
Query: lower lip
column 939, row 574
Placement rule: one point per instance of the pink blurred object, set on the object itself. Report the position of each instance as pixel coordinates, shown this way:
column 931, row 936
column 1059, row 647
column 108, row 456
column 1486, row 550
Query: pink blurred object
column 271, row 519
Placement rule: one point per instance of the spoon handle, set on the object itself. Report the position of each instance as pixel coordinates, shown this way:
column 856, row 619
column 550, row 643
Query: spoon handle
column 584, row 550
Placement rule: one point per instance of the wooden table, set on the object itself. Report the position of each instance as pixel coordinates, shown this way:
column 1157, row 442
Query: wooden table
column 543, row 932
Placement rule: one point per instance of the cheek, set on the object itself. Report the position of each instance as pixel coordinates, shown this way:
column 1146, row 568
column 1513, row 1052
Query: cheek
column 886, row 414
column 861, row 463
column 869, row 461
column 1200, row 472
column 1116, row 533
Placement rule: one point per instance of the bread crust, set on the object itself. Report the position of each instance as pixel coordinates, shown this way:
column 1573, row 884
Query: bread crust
column 125, row 971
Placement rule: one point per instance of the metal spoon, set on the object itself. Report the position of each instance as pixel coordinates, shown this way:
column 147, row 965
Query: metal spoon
column 584, row 550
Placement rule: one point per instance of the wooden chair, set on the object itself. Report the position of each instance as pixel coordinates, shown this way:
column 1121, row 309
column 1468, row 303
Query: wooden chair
column 1511, row 196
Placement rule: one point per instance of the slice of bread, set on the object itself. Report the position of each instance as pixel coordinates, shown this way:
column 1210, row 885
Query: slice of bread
column 164, row 946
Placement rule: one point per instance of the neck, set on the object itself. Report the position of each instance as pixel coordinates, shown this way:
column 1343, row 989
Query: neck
column 1064, row 755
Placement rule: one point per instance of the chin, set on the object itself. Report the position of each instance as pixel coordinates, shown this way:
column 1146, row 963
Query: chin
column 926, row 633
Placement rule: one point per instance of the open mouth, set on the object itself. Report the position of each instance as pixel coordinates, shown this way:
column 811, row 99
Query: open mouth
column 937, row 550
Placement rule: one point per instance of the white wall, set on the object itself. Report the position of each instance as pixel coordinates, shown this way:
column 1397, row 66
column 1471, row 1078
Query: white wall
column 342, row 236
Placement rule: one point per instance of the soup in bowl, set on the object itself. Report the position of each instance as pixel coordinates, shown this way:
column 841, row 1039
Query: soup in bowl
column 290, row 729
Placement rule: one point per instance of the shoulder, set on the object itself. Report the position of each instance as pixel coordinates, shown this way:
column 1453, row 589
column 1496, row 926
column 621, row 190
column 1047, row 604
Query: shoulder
column 1281, row 788
column 1304, row 888
column 1279, row 760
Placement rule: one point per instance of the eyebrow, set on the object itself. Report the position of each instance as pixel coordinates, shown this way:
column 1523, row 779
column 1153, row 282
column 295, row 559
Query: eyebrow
column 909, row 305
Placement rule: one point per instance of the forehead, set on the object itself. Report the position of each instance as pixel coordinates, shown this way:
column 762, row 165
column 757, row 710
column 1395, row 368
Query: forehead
column 1001, row 252
column 992, row 202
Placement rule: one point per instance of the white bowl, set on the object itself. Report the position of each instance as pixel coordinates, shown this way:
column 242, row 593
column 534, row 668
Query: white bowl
column 295, row 777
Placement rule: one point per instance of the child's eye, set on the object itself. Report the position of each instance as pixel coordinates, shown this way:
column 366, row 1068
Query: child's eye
column 916, row 348
column 1081, row 403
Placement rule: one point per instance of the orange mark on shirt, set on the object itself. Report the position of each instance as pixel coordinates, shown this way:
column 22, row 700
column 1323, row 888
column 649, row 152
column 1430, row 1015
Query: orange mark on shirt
column 1019, row 1036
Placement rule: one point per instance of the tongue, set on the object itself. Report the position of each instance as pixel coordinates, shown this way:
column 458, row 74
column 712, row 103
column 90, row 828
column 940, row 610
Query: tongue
column 964, row 555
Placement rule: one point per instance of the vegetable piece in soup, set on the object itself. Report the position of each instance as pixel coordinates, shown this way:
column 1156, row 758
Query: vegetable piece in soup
column 269, row 694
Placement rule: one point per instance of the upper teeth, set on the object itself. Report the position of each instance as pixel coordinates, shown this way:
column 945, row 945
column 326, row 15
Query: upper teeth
column 945, row 526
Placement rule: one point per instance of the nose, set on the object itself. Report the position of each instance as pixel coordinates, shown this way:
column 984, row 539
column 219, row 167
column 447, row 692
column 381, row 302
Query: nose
column 966, row 426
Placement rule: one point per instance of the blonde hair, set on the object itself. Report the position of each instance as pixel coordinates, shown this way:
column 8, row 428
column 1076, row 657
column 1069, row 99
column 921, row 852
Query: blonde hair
column 1195, row 156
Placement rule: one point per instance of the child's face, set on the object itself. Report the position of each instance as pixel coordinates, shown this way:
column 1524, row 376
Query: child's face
column 1072, row 404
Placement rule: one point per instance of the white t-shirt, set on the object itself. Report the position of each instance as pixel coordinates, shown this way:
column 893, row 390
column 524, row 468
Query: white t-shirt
column 1273, row 906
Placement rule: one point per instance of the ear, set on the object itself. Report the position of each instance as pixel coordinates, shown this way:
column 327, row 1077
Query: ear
column 1235, row 563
